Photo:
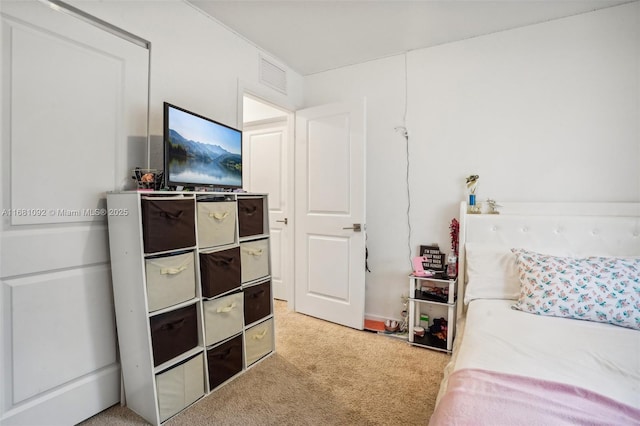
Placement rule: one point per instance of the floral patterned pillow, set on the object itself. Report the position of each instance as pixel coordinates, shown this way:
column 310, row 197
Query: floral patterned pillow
column 601, row 289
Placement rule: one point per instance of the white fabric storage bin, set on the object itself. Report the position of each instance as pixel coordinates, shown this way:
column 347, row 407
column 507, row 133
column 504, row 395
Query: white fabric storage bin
column 223, row 317
column 180, row 386
column 170, row 280
column 216, row 223
column 254, row 258
column 259, row 341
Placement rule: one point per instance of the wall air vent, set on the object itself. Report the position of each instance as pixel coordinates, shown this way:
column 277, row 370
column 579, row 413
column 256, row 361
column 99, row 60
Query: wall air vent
column 273, row 75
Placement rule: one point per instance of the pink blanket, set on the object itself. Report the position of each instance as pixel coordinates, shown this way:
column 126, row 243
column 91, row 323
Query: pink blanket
column 480, row 397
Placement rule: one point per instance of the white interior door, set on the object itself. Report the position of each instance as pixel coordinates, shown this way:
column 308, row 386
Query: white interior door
column 267, row 171
column 74, row 107
column 329, row 209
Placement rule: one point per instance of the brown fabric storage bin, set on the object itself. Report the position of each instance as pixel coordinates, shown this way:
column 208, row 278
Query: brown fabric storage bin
column 220, row 271
column 257, row 302
column 225, row 361
column 250, row 216
column 168, row 224
column 173, row 333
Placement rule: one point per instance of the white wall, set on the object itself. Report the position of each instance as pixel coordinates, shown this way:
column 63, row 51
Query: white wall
column 196, row 63
column 545, row 112
column 548, row 112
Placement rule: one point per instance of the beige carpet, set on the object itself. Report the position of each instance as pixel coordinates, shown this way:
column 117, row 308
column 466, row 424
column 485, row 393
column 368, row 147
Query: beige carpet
column 321, row 374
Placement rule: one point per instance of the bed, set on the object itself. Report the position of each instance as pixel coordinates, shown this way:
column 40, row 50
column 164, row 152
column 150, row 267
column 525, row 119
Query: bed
column 549, row 331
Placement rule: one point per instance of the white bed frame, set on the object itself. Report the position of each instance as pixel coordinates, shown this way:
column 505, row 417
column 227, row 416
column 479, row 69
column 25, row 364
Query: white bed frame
column 606, row 229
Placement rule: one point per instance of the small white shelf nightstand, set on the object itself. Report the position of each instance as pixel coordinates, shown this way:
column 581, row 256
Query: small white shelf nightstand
column 438, row 300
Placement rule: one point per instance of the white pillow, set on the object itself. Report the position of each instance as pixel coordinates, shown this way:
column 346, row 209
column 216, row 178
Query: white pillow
column 600, row 289
column 491, row 272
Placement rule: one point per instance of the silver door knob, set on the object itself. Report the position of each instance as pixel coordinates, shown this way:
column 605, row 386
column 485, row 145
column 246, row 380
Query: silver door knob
column 356, row 227
column 285, row 221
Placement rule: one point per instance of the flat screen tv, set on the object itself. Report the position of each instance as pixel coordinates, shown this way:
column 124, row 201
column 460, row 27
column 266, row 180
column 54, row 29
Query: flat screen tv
column 200, row 152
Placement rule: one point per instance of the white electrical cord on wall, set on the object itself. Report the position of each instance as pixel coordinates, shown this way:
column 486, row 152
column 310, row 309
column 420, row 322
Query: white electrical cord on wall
column 405, row 134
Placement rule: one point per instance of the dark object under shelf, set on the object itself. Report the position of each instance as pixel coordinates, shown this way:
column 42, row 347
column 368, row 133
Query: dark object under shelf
column 430, row 340
column 432, row 296
column 442, row 275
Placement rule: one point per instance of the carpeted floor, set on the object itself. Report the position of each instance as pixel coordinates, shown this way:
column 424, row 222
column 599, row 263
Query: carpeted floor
column 321, row 374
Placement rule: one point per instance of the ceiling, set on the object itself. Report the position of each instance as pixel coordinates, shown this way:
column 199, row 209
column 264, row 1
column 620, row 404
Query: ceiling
column 311, row 36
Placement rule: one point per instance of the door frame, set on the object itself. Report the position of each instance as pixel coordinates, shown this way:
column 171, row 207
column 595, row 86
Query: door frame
column 267, row 96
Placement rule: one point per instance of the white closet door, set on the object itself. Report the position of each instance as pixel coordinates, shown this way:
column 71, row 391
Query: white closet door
column 74, row 107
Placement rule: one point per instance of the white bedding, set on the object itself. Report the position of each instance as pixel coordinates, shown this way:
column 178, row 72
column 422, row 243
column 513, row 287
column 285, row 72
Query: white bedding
column 599, row 357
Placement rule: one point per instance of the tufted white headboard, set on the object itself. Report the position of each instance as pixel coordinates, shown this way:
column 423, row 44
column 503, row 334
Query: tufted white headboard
column 582, row 229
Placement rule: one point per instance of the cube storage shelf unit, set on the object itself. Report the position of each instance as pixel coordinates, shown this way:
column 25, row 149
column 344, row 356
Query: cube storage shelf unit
column 192, row 291
column 440, row 301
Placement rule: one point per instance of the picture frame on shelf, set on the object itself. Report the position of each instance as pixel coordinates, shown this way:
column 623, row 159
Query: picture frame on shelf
column 433, row 258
